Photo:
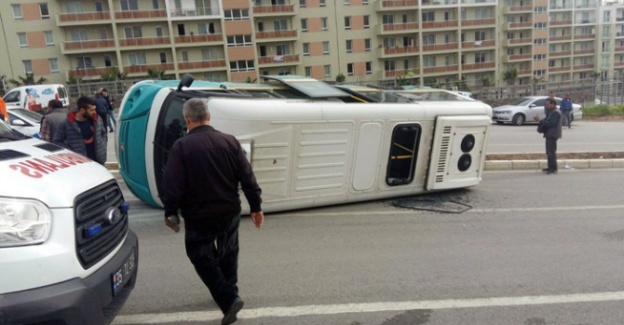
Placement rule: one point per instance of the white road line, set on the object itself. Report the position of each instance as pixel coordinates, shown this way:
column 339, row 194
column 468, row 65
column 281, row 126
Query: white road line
column 369, row 308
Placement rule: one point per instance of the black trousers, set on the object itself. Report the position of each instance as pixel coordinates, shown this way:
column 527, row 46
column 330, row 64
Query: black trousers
column 551, row 153
column 213, row 250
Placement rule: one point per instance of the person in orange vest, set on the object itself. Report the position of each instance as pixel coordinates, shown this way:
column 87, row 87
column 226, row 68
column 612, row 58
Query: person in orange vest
column 3, row 110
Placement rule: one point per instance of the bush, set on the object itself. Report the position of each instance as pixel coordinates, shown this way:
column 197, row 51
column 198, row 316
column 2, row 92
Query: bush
column 602, row 109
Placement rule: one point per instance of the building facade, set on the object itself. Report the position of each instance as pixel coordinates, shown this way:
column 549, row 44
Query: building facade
column 422, row 42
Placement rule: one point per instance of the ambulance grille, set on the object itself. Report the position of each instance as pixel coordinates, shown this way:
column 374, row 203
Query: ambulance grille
column 90, row 213
column 444, row 151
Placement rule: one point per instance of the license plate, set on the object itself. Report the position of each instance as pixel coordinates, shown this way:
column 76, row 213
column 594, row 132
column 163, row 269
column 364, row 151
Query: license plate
column 120, row 277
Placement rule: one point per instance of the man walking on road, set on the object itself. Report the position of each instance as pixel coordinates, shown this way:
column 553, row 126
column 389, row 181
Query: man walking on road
column 201, row 180
column 550, row 126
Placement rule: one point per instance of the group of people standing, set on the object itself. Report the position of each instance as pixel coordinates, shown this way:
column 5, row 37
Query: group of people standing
column 551, row 128
column 83, row 130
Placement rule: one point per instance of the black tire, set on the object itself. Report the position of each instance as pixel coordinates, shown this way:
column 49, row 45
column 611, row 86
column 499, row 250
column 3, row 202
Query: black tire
column 518, row 119
column 499, row 122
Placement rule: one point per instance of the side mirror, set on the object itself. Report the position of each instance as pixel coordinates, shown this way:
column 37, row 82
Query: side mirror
column 186, row 81
column 532, row 105
column 17, row 122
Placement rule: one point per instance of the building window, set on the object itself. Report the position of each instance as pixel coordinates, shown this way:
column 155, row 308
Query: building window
column 236, row 14
column 365, row 2
column 17, row 12
column 27, row 66
column 43, row 9
column 429, row 61
column 241, row 66
column 479, row 57
column 347, row 22
column 428, row 16
column 163, row 57
column 49, row 38
column 127, row 5
column 22, row 40
column 539, row 73
column 137, row 59
column 366, row 22
column 98, row 6
column 155, row 4
column 306, row 49
column 108, row 62
column 539, row 57
column 304, row 25
column 367, row 44
column 308, row 71
column 77, row 7
column 54, row 68
column 325, row 48
column 133, row 32
column 539, row 41
column 324, row 23
column 480, row 36
column 349, row 45
column 280, row 25
column 239, row 40
column 208, row 54
column 327, row 69
column 302, row 3
column 185, row 56
column 322, row 3
column 540, row 25
column 84, row 62
column 345, row 2
column 349, row 69
column 389, row 65
column 369, row 67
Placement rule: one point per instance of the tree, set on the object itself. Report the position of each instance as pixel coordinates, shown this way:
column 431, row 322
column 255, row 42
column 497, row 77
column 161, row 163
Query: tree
column 113, row 74
column 431, row 82
column 485, row 81
column 340, row 78
column 156, row 74
column 510, row 76
column 73, row 80
column 250, row 81
column 28, row 80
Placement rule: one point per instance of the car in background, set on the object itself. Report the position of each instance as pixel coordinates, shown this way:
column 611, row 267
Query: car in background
column 25, row 121
column 523, row 109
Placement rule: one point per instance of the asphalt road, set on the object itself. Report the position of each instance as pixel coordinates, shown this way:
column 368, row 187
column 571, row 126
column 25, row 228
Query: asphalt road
column 585, row 136
column 520, row 248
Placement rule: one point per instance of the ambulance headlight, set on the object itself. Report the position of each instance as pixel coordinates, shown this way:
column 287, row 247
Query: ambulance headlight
column 23, row 222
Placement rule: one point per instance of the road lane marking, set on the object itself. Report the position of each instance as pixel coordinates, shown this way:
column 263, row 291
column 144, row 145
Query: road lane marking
column 310, row 310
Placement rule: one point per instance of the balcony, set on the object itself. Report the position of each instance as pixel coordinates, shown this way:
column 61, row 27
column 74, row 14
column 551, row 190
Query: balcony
column 141, row 14
column 397, row 73
column 518, row 41
column 560, row 38
column 440, row 24
column 517, row 9
column 619, row 49
column 398, row 28
column 478, row 44
column 73, row 19
column 145, row 41
column 276, row 10
column 439, row 2
column 522, row 25
column 88, row 46
column 560, row 22
column 89, row 72
column 276, row 35
column 559, row 69
column 567, row 6
column 560, row 53
column 478, row 22
column 288, row 59
column 589, row 66
column 584, row 36
column 194, row 12
column 142, row 68
column 202, row 39
column 440, row 47
column 585, row 21
column 478, row 2
column 386, row 5
column 443, row 69
column 619, row 64
column 525, row 73
column 584, row 52
column 519, row 57
column 203, row 65
column 398, row 51
column 478, row 66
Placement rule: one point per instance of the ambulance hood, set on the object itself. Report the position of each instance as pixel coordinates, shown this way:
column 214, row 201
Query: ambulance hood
column 39, row 170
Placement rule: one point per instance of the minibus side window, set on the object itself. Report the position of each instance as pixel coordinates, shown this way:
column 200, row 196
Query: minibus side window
column 171, row 126
column 403, row 154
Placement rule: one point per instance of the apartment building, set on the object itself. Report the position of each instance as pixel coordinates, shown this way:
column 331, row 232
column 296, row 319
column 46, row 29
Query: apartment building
column 441, row 42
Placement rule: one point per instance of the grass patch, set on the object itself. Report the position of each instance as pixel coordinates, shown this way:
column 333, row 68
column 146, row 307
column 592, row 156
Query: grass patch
column 601, row 110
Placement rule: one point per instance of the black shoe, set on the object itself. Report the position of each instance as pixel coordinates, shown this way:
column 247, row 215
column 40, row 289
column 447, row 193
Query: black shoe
column 545, row 170
column 551, row 172
column 230, row 316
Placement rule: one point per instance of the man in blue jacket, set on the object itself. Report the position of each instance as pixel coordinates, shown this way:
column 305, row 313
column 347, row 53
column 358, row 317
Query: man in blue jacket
column 83, row 132
column 566, row 111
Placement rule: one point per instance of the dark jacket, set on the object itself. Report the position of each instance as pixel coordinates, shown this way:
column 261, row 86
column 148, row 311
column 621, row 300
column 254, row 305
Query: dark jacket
column 202, row 175
column 102, row 108
column 68, row 135
column 51, row 122
column 552, row 123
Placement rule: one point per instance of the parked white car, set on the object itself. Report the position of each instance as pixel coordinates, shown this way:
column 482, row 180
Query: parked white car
column 522, row 110
column 24, row 121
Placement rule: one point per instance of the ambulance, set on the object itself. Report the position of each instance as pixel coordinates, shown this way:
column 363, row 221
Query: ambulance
column 66, row 252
